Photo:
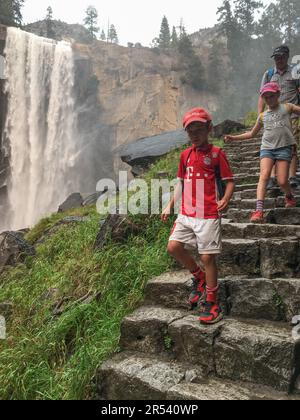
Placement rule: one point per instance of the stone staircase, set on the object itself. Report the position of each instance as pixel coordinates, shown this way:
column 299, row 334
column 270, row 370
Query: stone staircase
column 167, row 355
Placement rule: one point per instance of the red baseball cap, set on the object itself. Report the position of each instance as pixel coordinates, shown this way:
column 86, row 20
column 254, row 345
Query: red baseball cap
column 196, row 114
column 271, row 87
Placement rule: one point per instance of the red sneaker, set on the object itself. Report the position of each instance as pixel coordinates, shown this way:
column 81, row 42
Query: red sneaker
column 212, row 314
column 257, row 217
column 290, row 202
column 198, row 294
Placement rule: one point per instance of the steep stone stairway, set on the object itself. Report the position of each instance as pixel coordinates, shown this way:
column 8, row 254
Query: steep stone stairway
column 251, row 355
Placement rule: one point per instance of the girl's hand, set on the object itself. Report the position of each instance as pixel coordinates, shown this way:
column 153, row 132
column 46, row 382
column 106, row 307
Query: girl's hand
column 166, row 214
column 228, row 139
column 223, row 204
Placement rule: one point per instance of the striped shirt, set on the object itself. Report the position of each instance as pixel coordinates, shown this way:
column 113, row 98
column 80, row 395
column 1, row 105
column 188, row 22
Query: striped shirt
column 289, row 86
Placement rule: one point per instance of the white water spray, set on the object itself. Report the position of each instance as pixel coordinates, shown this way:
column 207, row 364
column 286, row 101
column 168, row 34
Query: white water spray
column 41, row 126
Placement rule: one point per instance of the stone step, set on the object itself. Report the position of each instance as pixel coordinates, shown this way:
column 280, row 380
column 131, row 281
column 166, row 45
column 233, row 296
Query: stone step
column 246, row 178
column 260, row 352
column 243, row 149
column 252, row 193
column 270, row 203
column 277, row 216
column 242, row 143
column 268, row 258
column 242, row 175
column 242, row 297
column 253, row 230
column 242, row 187
column 140, row 377
column 248, row 155
column 250, row 169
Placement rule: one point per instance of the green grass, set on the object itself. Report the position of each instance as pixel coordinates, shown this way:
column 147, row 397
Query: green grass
column 250, row 119
column 56, row 357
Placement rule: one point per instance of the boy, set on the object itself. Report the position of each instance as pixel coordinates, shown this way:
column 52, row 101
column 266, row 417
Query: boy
column 199, row 223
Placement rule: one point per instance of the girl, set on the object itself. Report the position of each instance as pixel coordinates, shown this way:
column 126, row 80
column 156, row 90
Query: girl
column 278, row 146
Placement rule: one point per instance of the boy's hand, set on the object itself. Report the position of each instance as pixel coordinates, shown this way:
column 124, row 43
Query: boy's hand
column 228, row 138
column 223, row 204
column 166, row 214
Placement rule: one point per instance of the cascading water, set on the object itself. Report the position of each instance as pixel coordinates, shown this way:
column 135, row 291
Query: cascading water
column 41, row 126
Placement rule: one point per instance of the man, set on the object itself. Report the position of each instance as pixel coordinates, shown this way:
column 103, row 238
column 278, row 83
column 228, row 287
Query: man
column 282, row 75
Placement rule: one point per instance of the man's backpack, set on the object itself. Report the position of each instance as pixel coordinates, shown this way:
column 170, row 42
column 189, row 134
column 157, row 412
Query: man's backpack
column 220, row 184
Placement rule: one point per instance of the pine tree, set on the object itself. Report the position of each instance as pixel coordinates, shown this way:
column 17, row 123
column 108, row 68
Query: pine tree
column 245, row 14
column 215, row 70
column 174, row 38
column 17, row 6
column 194, row 71
column 165, row 35
column 228, row 26
column 49, row 23
column 91, row 20
column 10, row 12
column 113, row 36
column 103, row 36
column 289, row 13
column 268, row 29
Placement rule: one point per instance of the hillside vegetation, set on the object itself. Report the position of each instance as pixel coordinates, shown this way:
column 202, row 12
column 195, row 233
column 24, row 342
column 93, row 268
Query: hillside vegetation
column 56, row 340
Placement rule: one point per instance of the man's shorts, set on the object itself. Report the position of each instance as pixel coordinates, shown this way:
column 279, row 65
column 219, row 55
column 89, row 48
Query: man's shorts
column 202, row 234
column 296, row 130
column 283, row 153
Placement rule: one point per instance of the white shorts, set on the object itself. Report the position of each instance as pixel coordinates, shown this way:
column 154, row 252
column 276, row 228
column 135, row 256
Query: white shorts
column 204, row 234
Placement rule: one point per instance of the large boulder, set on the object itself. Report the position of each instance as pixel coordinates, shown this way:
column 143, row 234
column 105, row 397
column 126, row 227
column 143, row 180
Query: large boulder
column 141, row 154
column 227, row 127
column 13, row 249
column 72, row 202
column 116, row 226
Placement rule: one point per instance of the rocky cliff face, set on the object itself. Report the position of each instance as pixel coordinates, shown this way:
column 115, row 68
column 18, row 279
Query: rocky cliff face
column 129, row 93
column 122, row 94
column 61, row 30
column 139, row 91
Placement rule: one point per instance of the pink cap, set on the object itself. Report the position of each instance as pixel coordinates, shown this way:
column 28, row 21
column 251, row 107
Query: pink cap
column 271, row 87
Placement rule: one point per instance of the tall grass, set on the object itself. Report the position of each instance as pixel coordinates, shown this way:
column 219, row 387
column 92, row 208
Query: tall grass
column 48, row 356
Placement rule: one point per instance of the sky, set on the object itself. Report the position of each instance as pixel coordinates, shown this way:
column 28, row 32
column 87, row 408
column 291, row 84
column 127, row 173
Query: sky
column 135, row 20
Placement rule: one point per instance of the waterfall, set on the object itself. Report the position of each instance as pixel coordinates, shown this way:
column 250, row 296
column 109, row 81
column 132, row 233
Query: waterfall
column 41, row 126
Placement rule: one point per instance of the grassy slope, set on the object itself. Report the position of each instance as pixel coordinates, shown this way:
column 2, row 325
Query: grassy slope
column 48, row 357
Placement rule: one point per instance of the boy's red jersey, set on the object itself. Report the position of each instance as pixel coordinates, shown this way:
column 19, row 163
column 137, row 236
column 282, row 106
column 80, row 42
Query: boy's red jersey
column 197, row 169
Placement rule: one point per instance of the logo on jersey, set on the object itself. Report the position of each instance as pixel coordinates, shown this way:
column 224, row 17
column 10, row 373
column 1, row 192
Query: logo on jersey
column 207, row 161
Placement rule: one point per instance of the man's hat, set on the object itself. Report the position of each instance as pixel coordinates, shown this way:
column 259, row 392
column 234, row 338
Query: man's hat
column 196, row 114
column 282, row 50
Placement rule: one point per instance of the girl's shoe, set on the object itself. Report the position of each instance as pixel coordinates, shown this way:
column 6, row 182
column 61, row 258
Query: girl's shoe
column 212, row 314
column 290, row 202
column 257, row 217
column 198, row 294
